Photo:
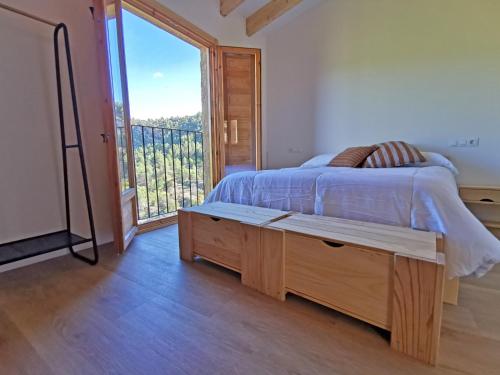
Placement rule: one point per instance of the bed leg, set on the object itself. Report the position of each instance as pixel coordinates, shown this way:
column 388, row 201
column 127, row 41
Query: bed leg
column 450, row 295
column 185, row 235
column 417, row 307
column 451, row 287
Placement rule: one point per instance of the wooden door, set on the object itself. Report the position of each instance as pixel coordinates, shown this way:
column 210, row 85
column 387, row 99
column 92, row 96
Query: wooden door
column 241, row 109
column 117, row 134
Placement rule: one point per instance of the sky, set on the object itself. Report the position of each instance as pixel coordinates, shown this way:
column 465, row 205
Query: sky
column 163, row 71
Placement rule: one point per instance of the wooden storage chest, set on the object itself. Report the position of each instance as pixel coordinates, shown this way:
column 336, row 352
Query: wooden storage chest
column 226, row 234
column 388, row 276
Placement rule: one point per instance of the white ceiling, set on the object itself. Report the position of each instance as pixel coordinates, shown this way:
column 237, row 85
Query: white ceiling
column 250, row 6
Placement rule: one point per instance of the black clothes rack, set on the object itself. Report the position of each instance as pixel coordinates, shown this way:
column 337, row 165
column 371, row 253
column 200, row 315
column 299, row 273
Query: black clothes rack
column 33, row 246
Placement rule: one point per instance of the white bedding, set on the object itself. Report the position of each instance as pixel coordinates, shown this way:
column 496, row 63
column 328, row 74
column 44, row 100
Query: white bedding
column 421, row 198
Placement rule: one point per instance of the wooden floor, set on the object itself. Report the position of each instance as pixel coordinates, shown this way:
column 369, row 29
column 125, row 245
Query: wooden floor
column 148, row 313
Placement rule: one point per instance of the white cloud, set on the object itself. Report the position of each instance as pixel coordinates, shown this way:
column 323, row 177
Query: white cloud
column 158, row 75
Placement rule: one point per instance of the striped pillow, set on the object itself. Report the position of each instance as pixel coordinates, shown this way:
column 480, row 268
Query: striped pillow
column 393, row 154
column 352, row 156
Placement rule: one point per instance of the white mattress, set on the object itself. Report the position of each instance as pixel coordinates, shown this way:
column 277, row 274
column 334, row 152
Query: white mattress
column 420, row 198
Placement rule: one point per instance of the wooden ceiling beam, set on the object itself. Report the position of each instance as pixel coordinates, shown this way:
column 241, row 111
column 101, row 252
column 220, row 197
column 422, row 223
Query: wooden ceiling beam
column 227, row 6
column 268, row 13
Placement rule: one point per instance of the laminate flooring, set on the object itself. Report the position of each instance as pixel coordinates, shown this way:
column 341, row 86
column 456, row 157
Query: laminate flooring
column 147, row 312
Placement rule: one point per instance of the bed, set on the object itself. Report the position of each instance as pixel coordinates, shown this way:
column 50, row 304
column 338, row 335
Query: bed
column 424, row 198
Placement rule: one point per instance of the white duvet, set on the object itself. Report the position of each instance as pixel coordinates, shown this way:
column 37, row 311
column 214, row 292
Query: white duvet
column 421, row 198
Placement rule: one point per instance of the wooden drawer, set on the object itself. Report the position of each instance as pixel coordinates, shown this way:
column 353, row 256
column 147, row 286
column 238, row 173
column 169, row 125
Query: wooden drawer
column 480, row 195
column 355, row 281
column 495, row 231
column 218, row 240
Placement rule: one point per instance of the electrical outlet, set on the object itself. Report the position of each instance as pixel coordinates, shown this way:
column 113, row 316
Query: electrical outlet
column 464, row 142
column 473, row 142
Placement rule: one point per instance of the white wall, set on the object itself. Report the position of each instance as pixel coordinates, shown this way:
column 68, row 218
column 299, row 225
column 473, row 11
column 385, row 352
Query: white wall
column 30, row 156
column 354, row 72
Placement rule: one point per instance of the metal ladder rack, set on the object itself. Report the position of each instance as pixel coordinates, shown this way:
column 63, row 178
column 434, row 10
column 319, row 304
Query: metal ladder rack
column 33, row 246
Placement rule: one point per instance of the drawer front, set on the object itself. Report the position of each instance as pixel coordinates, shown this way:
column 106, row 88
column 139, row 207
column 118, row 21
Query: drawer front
column 219, row 240
column 353, row 280
column 496, row 232
column 480, row 195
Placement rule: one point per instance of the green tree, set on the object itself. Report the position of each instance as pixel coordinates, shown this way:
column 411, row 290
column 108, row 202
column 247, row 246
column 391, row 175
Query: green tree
column 169, row 165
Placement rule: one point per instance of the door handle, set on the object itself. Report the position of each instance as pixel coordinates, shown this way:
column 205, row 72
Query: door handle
column 105, row 137
column 225, row 132
column 234, row 132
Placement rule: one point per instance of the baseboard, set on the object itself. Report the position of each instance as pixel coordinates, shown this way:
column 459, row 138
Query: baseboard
column 157, row 224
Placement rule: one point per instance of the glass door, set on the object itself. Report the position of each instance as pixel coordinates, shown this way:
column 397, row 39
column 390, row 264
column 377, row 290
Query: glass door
column 159, row 108
column 119, row 137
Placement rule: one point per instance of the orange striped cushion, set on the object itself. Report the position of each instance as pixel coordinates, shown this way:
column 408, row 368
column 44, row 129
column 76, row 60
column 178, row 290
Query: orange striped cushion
column 393, row 154
column 352, row 156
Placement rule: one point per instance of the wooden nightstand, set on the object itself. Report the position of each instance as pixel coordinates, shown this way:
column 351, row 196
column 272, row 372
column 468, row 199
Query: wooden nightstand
column 484, row 202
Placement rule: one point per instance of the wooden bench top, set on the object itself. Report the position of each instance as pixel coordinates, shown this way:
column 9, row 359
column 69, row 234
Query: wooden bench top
column 239, row 212
column 404, row 241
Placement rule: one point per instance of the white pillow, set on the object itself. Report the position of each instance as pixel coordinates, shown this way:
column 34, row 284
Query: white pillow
column 319, row 161
column 433, row 159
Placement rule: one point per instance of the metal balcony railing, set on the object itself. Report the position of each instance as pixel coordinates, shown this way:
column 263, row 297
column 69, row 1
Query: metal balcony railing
column 169, row 169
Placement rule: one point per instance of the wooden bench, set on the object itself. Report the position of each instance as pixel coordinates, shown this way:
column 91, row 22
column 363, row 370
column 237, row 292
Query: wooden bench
column 388, row 276
column 229, row 235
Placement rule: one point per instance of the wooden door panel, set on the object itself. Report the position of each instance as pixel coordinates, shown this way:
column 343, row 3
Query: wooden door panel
column 241, row 87
column 240, row 100
column 239, row 63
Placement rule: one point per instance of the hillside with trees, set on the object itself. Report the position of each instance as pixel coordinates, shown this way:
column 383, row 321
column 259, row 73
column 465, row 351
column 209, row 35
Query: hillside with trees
column 169, row 169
